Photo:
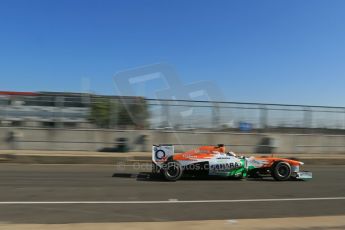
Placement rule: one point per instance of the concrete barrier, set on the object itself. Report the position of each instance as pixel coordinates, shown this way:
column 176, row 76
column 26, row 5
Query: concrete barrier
column 96, row 139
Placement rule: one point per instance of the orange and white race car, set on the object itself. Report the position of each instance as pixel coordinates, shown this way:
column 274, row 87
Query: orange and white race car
column 215, row 161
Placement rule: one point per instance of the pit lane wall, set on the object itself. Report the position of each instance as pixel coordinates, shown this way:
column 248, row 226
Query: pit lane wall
column 142, row 140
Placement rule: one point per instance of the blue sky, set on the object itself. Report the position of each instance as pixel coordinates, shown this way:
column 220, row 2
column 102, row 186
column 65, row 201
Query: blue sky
column 256, row 51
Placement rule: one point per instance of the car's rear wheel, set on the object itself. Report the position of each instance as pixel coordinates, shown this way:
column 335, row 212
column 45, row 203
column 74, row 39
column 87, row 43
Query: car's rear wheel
column 173, row 171
column 281, row 171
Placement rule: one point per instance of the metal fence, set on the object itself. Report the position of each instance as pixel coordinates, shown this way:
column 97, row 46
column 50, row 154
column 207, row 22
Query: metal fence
column 184, row 115
column 173, row 114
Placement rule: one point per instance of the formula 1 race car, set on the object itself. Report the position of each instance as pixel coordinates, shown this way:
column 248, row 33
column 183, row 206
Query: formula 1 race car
column 214, row 161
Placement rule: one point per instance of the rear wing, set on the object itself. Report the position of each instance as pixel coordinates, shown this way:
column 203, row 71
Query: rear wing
column 160, row 153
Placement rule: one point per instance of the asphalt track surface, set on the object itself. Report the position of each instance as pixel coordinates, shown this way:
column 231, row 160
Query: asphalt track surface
column 122, row 198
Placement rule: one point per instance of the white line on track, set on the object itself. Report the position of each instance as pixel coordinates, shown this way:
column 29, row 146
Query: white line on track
column 173, row 201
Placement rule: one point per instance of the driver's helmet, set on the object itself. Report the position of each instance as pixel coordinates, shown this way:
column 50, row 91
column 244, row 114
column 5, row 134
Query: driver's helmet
column 220, row 148
column 231, row 154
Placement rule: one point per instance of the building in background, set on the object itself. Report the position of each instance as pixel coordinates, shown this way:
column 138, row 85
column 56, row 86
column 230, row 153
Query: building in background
column 65, row 110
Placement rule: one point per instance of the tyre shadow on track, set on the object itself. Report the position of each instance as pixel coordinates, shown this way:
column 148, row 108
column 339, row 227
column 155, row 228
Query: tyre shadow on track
column 142, row 176
column 150, row 177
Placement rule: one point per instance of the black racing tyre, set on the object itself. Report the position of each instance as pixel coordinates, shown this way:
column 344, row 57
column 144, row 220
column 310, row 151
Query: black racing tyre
column 281, row 171
column 173, row 171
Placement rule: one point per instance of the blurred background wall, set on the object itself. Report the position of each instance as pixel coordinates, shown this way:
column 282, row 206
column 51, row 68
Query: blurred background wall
column 87, row 122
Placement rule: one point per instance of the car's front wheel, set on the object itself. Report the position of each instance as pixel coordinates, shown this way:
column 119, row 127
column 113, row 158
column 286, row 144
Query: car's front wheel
column 173, row 171
column 281, row 171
